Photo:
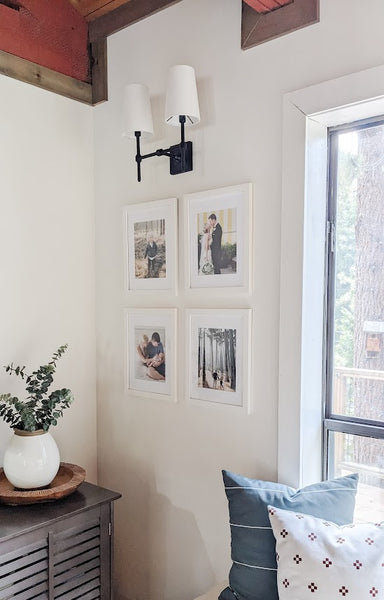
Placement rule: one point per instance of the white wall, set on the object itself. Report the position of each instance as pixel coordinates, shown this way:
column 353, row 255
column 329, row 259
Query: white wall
column 171, row 525
column 47, row 253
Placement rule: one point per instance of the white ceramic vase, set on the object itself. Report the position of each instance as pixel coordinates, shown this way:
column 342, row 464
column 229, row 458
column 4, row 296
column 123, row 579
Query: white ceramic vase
column 31, row 459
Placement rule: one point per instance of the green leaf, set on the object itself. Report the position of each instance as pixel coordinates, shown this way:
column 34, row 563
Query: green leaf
column 37, row 410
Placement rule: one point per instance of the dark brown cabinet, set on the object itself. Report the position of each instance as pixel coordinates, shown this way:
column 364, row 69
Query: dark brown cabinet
column 60, row 550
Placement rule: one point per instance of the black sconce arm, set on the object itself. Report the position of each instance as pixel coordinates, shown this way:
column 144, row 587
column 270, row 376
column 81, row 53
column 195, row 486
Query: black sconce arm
column 180, row 155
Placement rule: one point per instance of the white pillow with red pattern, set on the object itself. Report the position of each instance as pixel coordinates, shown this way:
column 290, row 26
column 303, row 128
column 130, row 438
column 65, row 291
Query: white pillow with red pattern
column 320, row 560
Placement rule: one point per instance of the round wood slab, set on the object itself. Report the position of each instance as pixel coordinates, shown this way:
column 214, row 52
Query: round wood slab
column 67, row 480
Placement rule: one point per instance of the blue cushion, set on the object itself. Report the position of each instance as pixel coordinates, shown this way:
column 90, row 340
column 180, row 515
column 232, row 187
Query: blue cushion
column 253, row 572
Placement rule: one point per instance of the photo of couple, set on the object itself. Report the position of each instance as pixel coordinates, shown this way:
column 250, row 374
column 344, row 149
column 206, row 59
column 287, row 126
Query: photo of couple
column 216, row 242
column 150, row 351
column 210, row 247
column 150, row 354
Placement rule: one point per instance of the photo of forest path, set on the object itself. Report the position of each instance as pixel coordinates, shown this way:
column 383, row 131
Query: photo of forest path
column 217, row 359
column 150, row 249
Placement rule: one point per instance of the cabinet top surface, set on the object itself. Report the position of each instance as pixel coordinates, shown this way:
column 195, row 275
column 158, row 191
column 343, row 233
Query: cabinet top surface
column 15, row 520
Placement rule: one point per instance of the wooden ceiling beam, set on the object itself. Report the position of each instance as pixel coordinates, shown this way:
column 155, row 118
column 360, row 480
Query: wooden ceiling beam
column 29, row 72
column 93, row 89
column 93, row 9
column 46, row 44
column 49, row 33
column 257, row 28
column 265, row 6
column 99, row 73
column 127, row 14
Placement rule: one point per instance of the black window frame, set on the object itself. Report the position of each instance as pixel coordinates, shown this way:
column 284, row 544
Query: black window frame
column 334, row 422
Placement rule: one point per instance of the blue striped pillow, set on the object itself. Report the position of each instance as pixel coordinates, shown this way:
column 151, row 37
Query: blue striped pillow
column 253, row 571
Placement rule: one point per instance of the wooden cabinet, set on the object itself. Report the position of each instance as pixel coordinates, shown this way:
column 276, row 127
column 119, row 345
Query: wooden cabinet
column 60, row 550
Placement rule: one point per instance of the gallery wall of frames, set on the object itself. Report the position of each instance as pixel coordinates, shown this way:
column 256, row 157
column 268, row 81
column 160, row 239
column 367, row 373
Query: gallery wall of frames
column 205, row 249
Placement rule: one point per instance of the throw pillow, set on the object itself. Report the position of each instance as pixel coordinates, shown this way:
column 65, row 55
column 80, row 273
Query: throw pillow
column 321, row 560
column 253, row 572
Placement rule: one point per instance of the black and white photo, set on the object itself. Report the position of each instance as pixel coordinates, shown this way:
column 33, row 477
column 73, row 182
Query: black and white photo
column 217, row 359
column 219, row 355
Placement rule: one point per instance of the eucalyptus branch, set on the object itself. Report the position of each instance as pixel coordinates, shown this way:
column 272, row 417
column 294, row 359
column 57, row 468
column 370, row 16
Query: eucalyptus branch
column 39, row 410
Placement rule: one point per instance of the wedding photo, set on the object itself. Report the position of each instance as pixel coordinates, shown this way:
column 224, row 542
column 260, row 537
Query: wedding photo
column 218, row 225
column 216, row 242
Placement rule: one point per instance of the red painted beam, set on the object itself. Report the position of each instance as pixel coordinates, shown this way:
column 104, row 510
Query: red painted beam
column 50, row 33
column 266, row 6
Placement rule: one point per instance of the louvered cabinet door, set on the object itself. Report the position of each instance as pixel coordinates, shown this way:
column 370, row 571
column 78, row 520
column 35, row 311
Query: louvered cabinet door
column 80, row 550
column 60, row 550
column 24, row 571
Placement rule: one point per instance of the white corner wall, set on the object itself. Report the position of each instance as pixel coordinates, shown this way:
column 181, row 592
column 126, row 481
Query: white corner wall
column 47, row 254
column 172, row 534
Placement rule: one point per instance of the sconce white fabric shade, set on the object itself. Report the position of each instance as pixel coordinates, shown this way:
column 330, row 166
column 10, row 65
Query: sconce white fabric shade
column 137, row 111
column 181, row 96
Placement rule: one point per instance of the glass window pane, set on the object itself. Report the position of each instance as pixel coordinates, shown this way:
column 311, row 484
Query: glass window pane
column 358, row 336
column 357, row 454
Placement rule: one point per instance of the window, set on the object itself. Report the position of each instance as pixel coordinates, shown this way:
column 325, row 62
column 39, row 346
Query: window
column 354, row 349
column 308, row 113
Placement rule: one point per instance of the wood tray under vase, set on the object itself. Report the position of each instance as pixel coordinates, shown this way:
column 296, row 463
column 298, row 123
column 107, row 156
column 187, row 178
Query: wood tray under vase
column 67, row 480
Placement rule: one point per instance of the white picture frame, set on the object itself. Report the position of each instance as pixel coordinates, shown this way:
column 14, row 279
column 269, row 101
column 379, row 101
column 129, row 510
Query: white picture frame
column 143, row 375
column 150, row 236
column 219, row 251
column 213, row 332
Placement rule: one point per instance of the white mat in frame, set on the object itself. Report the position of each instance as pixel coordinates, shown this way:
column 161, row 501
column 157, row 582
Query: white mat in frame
column 232, row 207
column 151, row 223
column 143, row 376
column 219, row 356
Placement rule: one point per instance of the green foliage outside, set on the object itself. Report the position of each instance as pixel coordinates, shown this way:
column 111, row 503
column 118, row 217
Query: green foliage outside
column 228, row 252
column 345, row 260
column 39, row 410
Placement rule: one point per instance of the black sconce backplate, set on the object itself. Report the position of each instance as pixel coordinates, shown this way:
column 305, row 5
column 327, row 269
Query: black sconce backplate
column 180, row 158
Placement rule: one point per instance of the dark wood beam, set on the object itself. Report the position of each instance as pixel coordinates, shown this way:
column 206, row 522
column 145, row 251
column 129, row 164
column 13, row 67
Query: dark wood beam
column 257, row 28
column 99, row 70
column 29, row 72
column 125, row 15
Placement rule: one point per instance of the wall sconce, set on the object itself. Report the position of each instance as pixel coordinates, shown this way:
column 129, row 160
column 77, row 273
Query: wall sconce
column 181, row 108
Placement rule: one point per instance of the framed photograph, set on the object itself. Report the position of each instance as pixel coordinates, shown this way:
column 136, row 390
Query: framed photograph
column 219, row 356
column 219, row 234
column 150, row 240
column 151, row 354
